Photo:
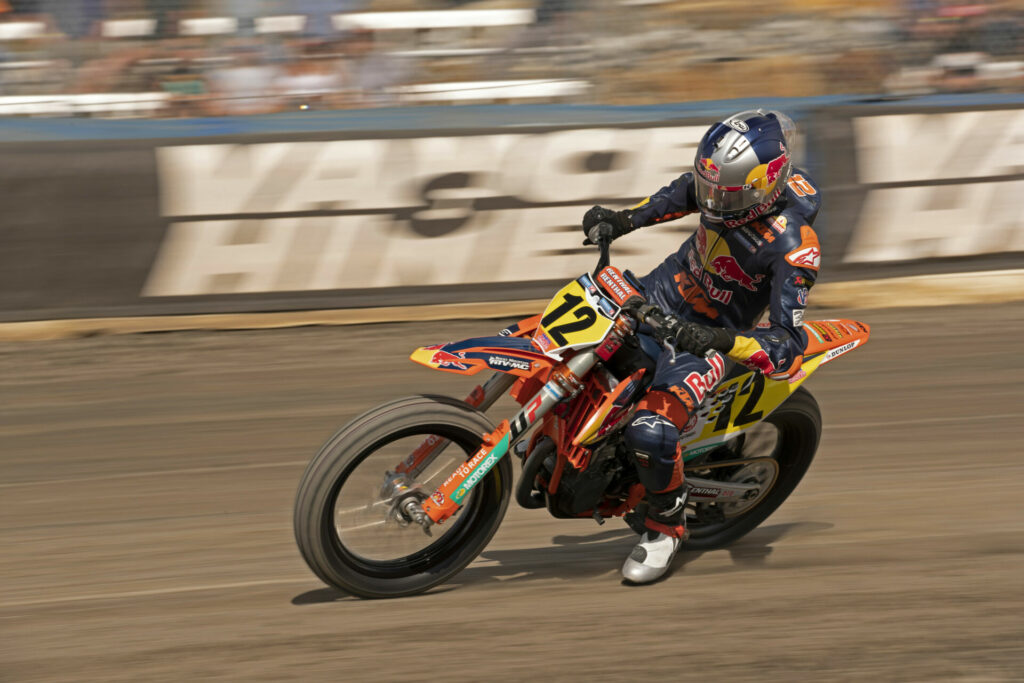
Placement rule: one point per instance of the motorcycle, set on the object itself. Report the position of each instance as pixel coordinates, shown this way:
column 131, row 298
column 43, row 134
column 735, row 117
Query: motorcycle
column 409, row 493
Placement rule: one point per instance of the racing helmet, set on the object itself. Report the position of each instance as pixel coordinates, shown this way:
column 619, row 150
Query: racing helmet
column 742, row 165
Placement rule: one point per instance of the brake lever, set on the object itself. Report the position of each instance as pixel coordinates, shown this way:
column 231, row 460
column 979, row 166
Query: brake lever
column 604, row 244
column 671, row 350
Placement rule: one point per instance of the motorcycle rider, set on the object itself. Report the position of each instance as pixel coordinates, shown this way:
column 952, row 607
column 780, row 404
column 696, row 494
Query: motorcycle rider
column 753, row 250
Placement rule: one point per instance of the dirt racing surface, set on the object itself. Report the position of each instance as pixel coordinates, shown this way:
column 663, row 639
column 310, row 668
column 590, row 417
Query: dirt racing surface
column 146, row 486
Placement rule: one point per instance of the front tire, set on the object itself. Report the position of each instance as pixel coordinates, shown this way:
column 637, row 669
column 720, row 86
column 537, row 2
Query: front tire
column 345, row 531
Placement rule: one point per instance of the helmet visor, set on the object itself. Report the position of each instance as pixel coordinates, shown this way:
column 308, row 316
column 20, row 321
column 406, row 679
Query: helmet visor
column 723, row 199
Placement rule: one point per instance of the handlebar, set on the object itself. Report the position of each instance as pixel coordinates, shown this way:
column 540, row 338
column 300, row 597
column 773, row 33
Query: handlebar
column 664, row 327
column 603, row 243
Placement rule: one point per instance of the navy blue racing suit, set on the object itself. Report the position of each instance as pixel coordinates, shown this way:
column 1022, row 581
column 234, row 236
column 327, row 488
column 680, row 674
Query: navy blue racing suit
column 725, row 277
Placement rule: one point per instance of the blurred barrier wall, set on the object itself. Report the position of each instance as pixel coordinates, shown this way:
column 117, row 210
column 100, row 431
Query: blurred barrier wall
column 349, row 210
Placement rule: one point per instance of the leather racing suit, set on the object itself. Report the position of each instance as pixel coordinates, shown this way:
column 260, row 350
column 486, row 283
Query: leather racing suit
column 723, row 277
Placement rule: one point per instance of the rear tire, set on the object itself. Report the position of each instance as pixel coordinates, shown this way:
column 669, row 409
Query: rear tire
column 455, row 543
column 798, row 422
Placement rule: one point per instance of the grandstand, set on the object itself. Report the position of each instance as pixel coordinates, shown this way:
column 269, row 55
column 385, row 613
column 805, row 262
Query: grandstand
column 130, row 58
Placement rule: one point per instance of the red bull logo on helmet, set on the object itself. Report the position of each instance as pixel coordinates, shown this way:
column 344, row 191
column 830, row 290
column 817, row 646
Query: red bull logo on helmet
column 720, row 261
column 764, row 176
column 707, row 168
column 774, row 167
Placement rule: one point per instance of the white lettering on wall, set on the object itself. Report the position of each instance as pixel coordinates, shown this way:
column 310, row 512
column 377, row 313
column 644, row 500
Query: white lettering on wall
column 427, row 211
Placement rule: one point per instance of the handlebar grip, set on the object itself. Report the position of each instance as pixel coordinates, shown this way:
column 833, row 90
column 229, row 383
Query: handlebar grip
column 594, row 234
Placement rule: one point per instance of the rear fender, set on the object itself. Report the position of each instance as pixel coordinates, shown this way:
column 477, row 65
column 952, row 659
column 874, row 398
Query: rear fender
column 512, row 355
column 746, row 398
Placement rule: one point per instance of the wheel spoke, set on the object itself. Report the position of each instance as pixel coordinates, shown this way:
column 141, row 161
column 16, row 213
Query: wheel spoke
column 368, row 530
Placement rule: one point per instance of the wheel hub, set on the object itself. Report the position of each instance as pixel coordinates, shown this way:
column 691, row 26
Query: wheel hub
column 763, row 474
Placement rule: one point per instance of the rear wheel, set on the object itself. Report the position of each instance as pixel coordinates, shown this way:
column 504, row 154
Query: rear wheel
column 351, row 532
column 783, row 445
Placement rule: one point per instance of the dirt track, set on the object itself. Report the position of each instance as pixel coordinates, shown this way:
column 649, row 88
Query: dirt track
column 146, row 485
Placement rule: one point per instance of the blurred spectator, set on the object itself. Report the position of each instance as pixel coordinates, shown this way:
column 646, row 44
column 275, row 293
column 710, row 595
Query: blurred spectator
column 189, row 90
column 319, row 12
column 113, row 72
column 625, row 51
column 73, row 18
column 374, row 70
column 167, row 13
column 246, row 86
column 317, row 80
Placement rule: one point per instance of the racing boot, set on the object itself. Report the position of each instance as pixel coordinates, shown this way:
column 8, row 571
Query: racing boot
column 665, row 530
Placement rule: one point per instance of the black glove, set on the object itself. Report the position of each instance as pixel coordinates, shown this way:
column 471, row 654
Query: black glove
column 618, row 220
column 700, row 339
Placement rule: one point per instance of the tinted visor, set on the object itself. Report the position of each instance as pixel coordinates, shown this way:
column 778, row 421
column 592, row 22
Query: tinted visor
column 721, row 199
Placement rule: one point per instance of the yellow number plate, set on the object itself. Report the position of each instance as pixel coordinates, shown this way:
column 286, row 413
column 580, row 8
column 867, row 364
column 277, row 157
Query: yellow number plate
column 577, row 316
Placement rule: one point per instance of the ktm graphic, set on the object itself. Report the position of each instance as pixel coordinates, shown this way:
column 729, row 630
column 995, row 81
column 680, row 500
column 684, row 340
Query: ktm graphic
column 720, row 261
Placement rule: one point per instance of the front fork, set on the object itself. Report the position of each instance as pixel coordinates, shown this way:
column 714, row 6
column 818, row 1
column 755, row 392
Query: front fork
column 564, row 383
column 481, row 398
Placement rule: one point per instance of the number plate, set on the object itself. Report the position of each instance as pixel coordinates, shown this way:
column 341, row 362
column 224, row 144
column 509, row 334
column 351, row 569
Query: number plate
column 578, row 316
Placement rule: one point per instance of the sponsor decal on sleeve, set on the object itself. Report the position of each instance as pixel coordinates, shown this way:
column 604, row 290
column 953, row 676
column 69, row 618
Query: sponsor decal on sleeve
column 801, row 296
column 808, row 257
column 798, row 317
column 808, row 254
column 749, row 352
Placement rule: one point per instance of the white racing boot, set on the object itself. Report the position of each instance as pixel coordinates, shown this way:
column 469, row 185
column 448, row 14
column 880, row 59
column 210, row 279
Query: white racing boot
column 650, row 558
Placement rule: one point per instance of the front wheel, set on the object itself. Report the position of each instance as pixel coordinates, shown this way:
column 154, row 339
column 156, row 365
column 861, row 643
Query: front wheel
column 781, row 449
column 347, row 526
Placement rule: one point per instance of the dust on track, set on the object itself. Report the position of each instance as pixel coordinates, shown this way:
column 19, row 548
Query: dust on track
column 147, row 481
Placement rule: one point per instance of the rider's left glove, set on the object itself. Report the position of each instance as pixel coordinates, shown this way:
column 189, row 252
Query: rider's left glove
column 618, row 222
column 701, row 339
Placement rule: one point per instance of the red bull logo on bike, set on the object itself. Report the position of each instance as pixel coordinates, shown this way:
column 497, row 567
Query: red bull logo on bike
column 446, row 359
column 720, row 261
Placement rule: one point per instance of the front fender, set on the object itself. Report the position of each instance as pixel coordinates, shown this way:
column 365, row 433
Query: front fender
column 511, row 355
